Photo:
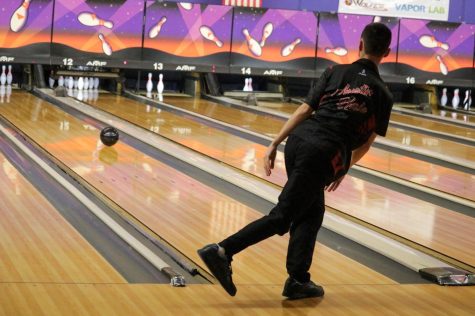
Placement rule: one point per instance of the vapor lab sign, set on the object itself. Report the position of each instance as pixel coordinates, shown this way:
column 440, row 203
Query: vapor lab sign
column 420, row 9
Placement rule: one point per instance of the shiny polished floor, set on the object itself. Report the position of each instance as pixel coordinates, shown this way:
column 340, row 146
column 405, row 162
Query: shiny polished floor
column 424, row 173
column 181, row 210
column 416, row 140
column 343, row 300
column 167, row 199
column 30, row 250
column 431, row 226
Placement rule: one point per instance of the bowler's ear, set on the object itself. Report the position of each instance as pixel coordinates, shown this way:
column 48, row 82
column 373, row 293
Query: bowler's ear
column 361, row 46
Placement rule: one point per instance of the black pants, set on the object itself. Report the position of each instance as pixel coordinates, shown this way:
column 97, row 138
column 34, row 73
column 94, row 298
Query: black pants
column 300, row 209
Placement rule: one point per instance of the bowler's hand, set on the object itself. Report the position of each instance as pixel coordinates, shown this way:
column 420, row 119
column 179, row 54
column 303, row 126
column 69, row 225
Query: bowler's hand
column 334, row 185
column 269, row 159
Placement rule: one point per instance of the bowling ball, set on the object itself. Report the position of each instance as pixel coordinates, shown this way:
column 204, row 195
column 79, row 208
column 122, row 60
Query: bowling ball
column 109, row 136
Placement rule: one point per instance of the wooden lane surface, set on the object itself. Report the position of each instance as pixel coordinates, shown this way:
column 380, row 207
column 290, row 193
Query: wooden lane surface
column 451, row 129
column 181, row 210
column 426, row 142
column 141, row 299
column 434, row 227
column 469, row 118
column 424, row 173
column 455, row 116
column 426, row 123
column 37, row 244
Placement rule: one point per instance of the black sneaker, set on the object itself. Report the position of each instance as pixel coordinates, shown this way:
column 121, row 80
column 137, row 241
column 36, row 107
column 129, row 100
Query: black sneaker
column 295, row 290
column 219, row 267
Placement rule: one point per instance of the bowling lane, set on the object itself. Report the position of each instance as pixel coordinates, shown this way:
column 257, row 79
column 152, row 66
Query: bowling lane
column 426, row 142
column 424, row 173
column 468, row 118
column 441, row 229
column 451, row 129
column 444, row 114
column 184, row 212
column 37, row 245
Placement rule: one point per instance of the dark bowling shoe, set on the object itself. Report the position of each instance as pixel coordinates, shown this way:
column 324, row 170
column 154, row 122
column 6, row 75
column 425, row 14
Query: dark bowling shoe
column 219, row 266
column 295, row 290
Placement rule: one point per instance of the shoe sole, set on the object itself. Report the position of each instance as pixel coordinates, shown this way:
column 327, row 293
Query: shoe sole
column 203, row 258
column 299, row 297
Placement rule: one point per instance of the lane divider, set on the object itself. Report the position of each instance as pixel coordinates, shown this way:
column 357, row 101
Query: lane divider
column 175, row 278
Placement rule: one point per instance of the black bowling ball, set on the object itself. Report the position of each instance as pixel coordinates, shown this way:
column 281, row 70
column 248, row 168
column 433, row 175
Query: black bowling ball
column 109, row 136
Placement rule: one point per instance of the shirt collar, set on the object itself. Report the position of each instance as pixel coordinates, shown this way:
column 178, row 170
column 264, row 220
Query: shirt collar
column 368, row 64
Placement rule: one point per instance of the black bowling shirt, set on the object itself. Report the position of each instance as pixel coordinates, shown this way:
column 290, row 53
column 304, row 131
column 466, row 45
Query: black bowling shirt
column 350, row 102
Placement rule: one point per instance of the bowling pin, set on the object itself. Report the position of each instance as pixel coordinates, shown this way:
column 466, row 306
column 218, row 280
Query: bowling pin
column 2, row 93
column 91, row 19
column 246, row 85
column 160, row 85
column 86, row 95
column 96, row 83
column 95, row 95
column 149, row 95
column 86, row 83
column 51, row 82
column 287, row 50
column 377, row 19
column 339, row 51
column 80, row 95
column 9, row 75
column 106, row 48
column 71, row 83
column 8, row 93
column 430, row 42
column 266, row 32
column 61, row 81
column 456, row 99
column 149, row 86
column 80, row 83
column 3, row 76
column 465, row 100
column 250, row 85
column 19, row 17
column 186, row 5
column 252, row 44
column 443, row 68
column 443, row 99
column 154, row 31
column 208, row 33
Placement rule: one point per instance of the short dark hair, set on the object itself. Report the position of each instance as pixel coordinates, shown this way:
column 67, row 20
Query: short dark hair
column 376, row 38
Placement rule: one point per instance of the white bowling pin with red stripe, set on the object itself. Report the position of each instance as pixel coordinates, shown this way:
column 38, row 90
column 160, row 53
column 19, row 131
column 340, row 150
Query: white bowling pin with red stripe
column 3, row 76
column 339, row 51
column 155, row 30
column 186, row 5
column 9, row 75
column 442, row 66
column 106, row 48
column 208, row 33
column 266, row 32
column 91, row 19
column 430, row 41
column 287, row 50
column 19, row 17
column 252, row 44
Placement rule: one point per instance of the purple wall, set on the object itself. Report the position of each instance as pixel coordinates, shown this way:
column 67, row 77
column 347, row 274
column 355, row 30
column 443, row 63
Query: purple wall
column 469, row 11
column 460, row 10
column 318, row 5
